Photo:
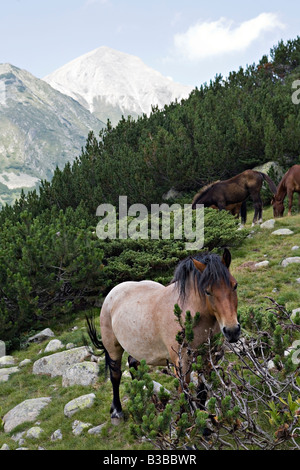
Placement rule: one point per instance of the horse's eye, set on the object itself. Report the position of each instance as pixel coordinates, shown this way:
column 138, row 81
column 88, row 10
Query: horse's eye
column 235, row 286
column 208, row 293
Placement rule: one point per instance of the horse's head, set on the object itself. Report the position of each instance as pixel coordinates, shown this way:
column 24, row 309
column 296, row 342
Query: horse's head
column 220, row 290
column 278, row 207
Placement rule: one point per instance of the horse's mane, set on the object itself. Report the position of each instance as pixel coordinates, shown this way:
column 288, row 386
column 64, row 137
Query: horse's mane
column 203, row 191
column 214, row 272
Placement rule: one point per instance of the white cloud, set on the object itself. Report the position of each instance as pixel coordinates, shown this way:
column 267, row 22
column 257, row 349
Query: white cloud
column 219, row 37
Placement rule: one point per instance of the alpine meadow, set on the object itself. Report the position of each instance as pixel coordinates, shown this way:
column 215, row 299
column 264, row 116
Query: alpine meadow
column 236, row 391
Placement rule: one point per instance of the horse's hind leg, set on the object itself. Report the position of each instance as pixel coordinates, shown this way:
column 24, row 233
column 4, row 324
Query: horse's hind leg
column 257, row 209
column 115, row 377
column 133, row 363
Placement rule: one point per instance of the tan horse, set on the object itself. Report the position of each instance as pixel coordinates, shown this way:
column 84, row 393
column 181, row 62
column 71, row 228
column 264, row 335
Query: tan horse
column 289, row 185
column 138, row 317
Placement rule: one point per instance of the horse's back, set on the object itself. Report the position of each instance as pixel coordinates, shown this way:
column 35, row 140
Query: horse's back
column 128, row 318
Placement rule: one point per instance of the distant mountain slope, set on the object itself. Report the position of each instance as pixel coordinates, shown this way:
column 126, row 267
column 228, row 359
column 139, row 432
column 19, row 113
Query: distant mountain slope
column 39, row 129
column 111, row 83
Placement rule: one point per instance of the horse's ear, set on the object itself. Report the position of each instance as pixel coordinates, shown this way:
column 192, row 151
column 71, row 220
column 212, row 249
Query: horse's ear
column 198, row 265
column 226, row 259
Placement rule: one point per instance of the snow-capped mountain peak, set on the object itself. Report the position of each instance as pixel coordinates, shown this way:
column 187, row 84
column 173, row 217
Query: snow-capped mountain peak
column 110, row 84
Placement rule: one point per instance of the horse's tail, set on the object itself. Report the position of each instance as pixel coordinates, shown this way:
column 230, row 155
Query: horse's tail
column 270, row 182
column 97, row 341
column 244, row 212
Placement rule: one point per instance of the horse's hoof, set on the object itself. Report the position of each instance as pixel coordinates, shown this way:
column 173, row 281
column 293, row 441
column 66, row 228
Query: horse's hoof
column 116, row 418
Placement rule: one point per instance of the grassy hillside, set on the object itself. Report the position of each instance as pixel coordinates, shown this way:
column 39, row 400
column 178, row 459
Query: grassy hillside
column 254, row 286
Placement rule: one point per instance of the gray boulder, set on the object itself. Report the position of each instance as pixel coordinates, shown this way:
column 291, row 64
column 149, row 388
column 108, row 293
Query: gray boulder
column 291, row 260
column 283, row 231
column 84, row 373
column 28, row 410
column 80, row 403
column 39, row 337
column 54, row 345
column 7, row 361
column 56, row 364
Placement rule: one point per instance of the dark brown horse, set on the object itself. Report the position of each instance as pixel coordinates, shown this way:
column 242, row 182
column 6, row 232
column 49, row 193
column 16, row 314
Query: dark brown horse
column 234, row 209
column 236, row 190
column 289, row 185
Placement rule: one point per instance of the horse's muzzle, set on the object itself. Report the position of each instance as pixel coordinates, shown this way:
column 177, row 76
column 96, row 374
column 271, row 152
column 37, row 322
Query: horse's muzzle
column 232, row 334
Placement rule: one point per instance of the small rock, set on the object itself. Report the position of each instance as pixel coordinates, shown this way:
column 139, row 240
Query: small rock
column 271, row 365
column 54, row 345
column 268, row 224
column 57, row 435
column 25, row 363
column 157, row 387
column 5, row 447
column 96, row 429
column 262, row 264
column 283, row 231
column 298, row 280
column 18, row 437
column 296, row 247
column 80, row 403
column 34, row 433
column 78, row 427
column 2, row 348
column 70, row 346
column 287, row 261
column 39, row 337
column 7, row 361
column 294, row 313
column 5, row 373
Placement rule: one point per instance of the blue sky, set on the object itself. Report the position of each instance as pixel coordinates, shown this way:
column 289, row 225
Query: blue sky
column 190, row 41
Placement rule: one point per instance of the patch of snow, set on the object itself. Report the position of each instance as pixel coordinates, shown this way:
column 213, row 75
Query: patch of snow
column 13, row 181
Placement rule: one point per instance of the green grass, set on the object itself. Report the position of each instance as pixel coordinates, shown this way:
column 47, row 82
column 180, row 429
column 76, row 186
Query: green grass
column 254, row 287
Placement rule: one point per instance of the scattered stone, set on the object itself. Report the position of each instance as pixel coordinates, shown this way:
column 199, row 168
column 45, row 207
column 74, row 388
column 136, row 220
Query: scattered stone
column 2, row 348
column 171, row 194
column 18, row 437
column 262, row 264
column 78, row 427
column 287, row 261
column 22, row 448
column 298, row 280
column 25, row 363
column 271, row 365
column 7, row 361
column 5, row 447
column 57, row 363
column 84, row 373
column 28, row 410
column 70, row 346
column 5, row 373
column 96, row 429
column 268, row 224
column 34, row 433
column 80, row 403
column 296, row 247
column 57, row 435
column 39, row 337
column 157, row 387
column 283, row 231
column 294, row 313
column 54, row 345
